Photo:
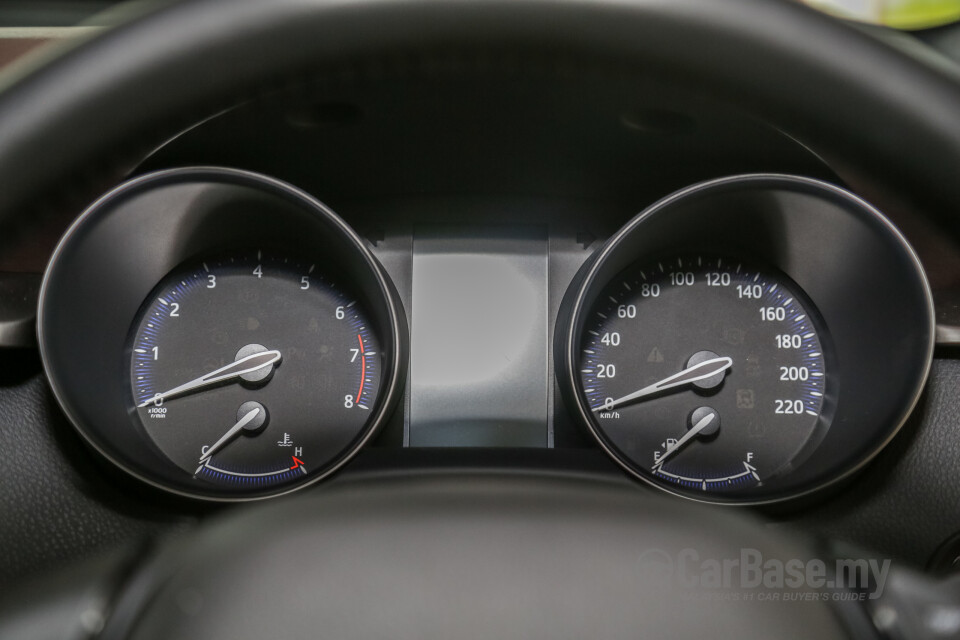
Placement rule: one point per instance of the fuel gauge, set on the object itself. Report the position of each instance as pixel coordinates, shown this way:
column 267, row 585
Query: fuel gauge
column 707, row 372
column 747, row 340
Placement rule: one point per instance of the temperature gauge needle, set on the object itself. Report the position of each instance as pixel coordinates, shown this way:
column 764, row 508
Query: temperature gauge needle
column 241, row 367
column 253, row 417
column 695, row 430
column 696, row 373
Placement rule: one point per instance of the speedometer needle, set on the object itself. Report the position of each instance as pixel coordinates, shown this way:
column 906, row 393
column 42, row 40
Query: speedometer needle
column 692, row 433
column 695, row 373
column 243, row 366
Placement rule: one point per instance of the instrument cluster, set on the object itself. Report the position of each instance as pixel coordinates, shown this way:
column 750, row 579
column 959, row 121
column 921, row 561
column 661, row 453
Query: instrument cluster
column 225, row 336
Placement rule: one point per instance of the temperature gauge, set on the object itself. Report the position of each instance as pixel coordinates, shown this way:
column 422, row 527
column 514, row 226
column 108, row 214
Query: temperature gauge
column 252, row 369
column 243, row 342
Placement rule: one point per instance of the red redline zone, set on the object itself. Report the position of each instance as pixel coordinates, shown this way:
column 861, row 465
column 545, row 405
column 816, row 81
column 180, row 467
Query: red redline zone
column 363, row 367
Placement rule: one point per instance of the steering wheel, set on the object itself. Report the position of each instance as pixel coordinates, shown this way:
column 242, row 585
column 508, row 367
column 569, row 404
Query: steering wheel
column 460, row 554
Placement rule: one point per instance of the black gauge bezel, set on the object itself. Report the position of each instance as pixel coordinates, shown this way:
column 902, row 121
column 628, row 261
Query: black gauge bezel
column 115, row 253
column 859, row 272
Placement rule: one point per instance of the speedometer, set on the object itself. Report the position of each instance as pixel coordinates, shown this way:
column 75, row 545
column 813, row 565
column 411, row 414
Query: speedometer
column 708, row 373
column 747, row 340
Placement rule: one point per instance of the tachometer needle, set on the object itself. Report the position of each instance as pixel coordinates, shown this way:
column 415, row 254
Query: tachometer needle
column 703, row 423
column 243, row 366
column 233, row 431
column 695, row 373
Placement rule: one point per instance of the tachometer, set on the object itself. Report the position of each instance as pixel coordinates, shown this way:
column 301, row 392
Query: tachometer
column 251, row 368
column 220, row 334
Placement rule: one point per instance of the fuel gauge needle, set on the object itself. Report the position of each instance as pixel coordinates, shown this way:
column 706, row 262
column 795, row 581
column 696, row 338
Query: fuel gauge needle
column 702, row 424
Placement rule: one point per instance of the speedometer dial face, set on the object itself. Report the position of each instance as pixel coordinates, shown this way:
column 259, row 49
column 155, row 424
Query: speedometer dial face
column 253, row 370
column 705, row 375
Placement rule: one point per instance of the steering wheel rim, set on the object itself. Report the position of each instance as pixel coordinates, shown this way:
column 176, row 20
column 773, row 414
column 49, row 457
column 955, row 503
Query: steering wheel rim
column 863, row 102
column 469, row 555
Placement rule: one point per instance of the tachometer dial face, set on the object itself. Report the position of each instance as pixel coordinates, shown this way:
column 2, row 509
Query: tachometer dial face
column 705, row 375
column 253, row 370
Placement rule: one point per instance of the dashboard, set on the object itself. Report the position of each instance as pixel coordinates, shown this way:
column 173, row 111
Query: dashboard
column 521, row 260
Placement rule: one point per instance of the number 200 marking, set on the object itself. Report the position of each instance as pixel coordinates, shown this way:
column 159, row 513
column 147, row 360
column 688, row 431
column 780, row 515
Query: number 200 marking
column 792, row 374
